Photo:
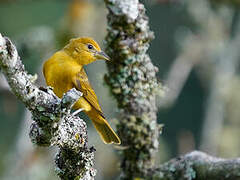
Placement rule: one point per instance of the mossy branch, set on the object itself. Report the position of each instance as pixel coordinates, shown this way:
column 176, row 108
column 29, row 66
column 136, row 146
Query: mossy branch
column 53, row 124
column 133, row 82
column 198, row 166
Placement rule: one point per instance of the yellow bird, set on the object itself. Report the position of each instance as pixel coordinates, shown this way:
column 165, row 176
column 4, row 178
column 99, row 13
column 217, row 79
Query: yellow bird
column 64, row 71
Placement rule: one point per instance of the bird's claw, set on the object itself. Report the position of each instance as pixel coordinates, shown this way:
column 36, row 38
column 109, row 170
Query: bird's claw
column 77, row 111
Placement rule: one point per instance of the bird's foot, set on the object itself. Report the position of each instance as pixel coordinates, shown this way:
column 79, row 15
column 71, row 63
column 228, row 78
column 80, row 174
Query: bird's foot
column 77, row 111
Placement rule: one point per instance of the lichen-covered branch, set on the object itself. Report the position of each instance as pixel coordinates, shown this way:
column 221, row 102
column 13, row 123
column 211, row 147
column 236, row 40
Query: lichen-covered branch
column 53, row 124
column 198, row 166
column 132, row 79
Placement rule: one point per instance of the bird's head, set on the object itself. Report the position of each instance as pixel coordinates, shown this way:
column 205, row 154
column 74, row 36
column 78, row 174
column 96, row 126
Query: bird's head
column 85, row 50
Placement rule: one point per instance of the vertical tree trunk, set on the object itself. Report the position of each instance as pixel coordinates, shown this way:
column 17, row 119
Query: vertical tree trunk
column 132, row 79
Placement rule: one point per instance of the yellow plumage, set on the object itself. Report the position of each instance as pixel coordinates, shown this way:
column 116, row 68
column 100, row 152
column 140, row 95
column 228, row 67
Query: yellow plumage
column 64, row 71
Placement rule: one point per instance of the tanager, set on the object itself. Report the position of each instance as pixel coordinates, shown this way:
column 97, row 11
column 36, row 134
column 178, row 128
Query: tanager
column 64, row 71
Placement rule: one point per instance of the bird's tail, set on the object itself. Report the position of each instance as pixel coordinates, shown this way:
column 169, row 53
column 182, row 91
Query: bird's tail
column 103, row 128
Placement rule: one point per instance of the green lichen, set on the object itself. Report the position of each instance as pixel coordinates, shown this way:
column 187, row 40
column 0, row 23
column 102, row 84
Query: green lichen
column 172, row 168
column 72, row 165
column 40, row 108
column 132, row 80
column 190, row 173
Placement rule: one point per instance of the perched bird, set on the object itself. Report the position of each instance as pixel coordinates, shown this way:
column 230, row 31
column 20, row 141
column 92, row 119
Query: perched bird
column 64, row 71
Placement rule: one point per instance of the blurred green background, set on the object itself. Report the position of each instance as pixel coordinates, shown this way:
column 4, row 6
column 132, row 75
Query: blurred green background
column 196, row 49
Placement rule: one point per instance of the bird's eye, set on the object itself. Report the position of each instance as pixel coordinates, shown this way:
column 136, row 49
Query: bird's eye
column 90, row 46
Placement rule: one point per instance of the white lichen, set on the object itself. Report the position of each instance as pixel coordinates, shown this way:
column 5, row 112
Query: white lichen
column 53, row 123
column 127, row 8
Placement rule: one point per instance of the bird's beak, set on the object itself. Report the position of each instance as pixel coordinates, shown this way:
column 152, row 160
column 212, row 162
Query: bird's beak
column 102, row 55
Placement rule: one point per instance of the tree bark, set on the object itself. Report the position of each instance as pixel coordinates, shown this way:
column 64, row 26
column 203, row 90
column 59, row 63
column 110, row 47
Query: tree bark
column 53, row 123
column 198, row 166
column 132, row 79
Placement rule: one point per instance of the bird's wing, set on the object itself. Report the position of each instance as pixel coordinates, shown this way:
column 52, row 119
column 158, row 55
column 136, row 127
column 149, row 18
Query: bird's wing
column 82, row 84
